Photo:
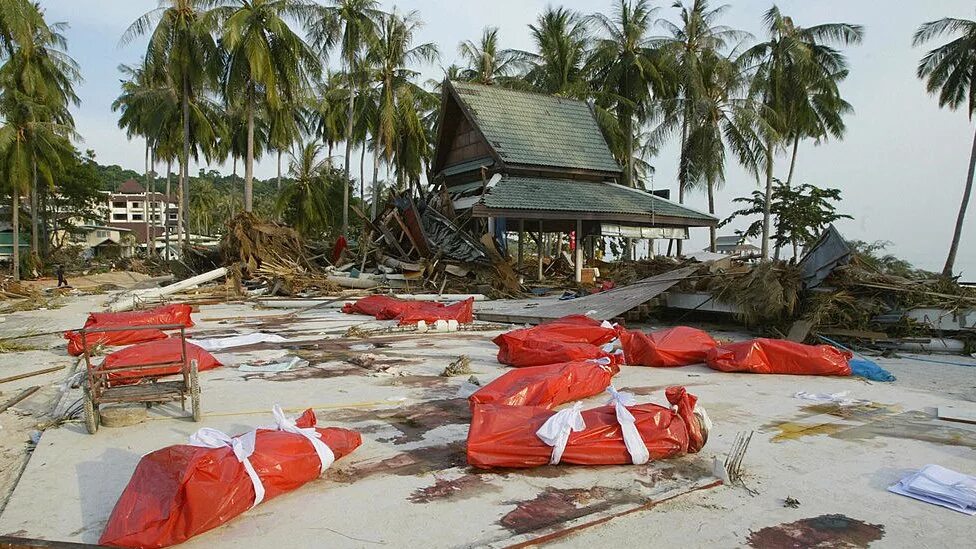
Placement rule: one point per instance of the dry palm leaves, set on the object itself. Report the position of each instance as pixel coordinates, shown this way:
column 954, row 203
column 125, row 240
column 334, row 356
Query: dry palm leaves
column 252, row 241
column 292, row 278
column 768, row 294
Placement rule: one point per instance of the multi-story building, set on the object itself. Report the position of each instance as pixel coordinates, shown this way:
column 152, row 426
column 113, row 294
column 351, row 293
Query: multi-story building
column 131, row 206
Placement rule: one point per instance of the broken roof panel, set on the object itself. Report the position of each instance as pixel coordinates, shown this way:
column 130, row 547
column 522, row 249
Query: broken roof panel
column 537, row 130
column 532, row 193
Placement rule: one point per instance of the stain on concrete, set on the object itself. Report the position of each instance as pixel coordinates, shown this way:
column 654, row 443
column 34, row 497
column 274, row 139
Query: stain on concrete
column 913, row 425
column 868, row 411
column 789, row 430
column 463, row 487
column 556, row 506
column 309, row 372
column 413, row 420
column 825, row 531
column 688, row 469
column 409, row 463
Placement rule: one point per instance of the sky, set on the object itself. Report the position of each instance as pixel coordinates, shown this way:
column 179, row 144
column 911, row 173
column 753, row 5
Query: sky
column 901, row 165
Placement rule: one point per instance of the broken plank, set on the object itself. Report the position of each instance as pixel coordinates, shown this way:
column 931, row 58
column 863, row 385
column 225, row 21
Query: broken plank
column 32, row 374
column 21, row 396
column 601, row 306
column 957, row 413
column 799, row 331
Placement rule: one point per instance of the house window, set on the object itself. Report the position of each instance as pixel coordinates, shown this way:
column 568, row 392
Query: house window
column 120, row 217
column 101, row 234
column 155, row 217
column 137, row 205
column 172, row 217
column 118, row 204
column 136, row 217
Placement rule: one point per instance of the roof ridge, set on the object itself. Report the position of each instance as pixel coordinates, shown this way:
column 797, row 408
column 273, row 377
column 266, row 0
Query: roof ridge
column 496, row 87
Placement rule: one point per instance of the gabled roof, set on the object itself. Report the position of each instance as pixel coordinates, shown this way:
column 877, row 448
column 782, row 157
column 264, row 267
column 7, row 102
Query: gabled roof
column 589, row 198
column 532, row 129
column 131, row 186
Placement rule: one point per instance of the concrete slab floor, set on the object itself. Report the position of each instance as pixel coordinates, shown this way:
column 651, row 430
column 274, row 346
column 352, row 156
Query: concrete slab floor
column 409, row 483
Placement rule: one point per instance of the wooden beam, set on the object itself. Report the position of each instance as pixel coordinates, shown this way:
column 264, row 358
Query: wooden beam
column 32, row 374
column 578, row 261
column 21, row 396
column 521, row 242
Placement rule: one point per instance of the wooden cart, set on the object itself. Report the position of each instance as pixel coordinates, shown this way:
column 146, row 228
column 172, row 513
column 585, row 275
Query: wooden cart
column 99, row 389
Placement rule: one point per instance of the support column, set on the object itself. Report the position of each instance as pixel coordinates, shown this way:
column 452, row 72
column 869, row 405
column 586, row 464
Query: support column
column 579, row 251
column 521, row 243
column 542, row 251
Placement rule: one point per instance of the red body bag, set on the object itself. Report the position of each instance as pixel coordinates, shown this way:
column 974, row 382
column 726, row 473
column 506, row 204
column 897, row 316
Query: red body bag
column 534, row 351
column 413, row 312
column 505, row 436
column 180, row 491
column 678, row 346
column 168, row 351
column 547, row 386
column 569, row 329
column 167, row 314
column 779, row 356
column 374, row 306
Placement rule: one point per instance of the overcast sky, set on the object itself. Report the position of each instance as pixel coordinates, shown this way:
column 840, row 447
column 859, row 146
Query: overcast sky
column 901, row 166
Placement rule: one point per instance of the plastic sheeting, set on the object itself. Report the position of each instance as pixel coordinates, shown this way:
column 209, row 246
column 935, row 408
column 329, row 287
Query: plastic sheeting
column 384, row 307
column 221, row 343
column 779, row 356
column 181, row 491
column 506, row 436
column 569, row 329
column 167, row 352
column 536, row 351
column 547, row 386
column 678, row 346
column 124, row 337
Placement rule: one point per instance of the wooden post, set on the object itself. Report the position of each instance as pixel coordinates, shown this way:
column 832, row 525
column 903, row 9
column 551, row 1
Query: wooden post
column 521, row 243
column 542, row 253
column 579, row 251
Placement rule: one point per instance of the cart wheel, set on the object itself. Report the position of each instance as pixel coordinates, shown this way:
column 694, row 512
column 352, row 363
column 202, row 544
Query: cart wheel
column 195, row 391
column 90, row 411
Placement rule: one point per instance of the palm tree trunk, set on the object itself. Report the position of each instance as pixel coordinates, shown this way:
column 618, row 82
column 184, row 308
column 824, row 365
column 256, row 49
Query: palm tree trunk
column 796, row 145
column 630, row 151
column 279, row 170
column 235, row 165
column 349, row 122
column 15, row 221
column 249, row 159
column 35, row 218
column 362, row 172
column 957, row 234
column 376, row 185
column 769, row 198
column 185, row 168
column 712, row 243
column 145, row 203
column 169, row 168
column 182, row 238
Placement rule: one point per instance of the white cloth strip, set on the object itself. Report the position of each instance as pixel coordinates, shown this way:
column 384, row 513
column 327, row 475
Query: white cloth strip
column 243, row 447
column 326, row 456
column 628, row 428
column 556, row 430
column 220, row 343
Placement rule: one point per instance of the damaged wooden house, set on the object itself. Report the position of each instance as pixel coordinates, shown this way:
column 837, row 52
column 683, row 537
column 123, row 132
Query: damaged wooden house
column 517, row 162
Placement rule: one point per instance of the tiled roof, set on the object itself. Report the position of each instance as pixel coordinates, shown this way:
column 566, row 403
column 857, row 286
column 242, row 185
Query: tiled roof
column 530, row 193
column 538, row 130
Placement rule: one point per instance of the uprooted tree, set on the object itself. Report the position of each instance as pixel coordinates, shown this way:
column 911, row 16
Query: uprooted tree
column 799, row 213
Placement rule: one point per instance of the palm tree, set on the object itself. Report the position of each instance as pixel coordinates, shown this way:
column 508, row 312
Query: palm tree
column 792, row 63
column 562, row 40
column 268, row 65
column 389, row 59
column 350, row 25
column 486, row 64
column 625, row 70
column 308, row 201
column 949, row 70
column 181, row 50
column 286, row 126
column 204, row 201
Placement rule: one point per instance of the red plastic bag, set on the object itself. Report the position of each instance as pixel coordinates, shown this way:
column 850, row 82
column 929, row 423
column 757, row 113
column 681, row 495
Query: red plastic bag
column 547, row 386
column 413, row 312
column 374, row 305
column 779, row 356
column 505, row 436
column 534, row 351
column 678, row 346
column 124, row 337
column 180, row 491
column 569, row 329
column 178, row 313
column 168, row 351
